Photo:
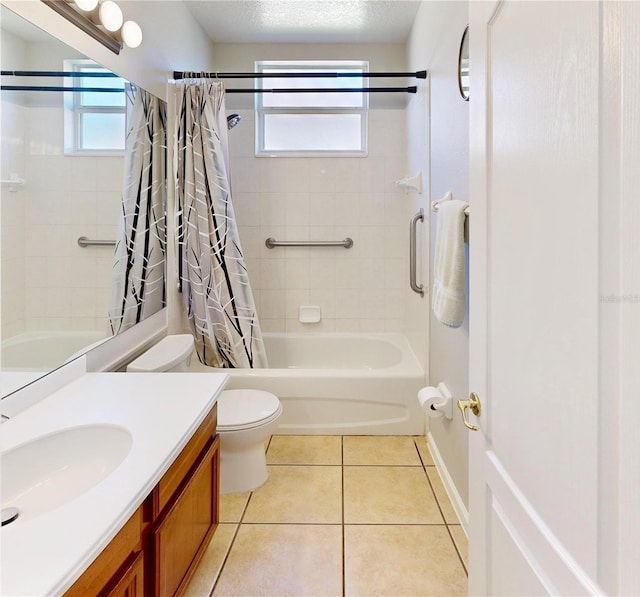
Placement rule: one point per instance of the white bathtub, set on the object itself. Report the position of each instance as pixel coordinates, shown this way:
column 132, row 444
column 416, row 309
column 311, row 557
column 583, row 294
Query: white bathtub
column 44, row 351
column 341, row 384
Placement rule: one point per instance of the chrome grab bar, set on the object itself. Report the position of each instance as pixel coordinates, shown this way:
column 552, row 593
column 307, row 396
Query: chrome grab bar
column 419, row 217
column 83, row 241
column 271, row 242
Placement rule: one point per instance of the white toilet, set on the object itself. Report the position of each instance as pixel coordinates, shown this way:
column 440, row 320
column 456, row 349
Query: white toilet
column 246, row 418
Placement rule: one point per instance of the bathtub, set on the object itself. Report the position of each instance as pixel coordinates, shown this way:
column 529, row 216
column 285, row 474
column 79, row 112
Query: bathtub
column 340, row 384
column 44, row 351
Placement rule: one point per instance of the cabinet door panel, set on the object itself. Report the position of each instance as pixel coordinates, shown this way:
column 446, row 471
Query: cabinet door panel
column 183, row 532
column 131, row 583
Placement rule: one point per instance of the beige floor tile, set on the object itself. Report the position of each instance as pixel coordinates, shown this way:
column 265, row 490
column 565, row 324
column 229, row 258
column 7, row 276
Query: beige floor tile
column 402, row 560
column 461, row 542
column 211, row 563
column 389, row 494
column 305, row 449
column 298, row 494
column 284, row 560
column 380, row 449
column 443, row 499
column 421, row 442
column 232, row 506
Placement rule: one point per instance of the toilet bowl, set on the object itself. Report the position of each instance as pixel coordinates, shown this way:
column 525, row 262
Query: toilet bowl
column 246, row 418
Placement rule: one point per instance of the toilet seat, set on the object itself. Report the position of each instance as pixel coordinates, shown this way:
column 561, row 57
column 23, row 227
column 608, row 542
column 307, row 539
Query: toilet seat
column 246, row 409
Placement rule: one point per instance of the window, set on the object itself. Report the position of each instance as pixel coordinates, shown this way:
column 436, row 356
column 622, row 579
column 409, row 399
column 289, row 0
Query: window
column 94, row 120
column 311, row 123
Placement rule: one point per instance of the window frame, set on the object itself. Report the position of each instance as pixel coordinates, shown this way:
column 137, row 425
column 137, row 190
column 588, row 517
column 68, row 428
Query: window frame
column 312, row 65
column 74, row 109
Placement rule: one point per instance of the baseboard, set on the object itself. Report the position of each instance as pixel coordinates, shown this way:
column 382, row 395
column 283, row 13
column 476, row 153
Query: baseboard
column 456, row 501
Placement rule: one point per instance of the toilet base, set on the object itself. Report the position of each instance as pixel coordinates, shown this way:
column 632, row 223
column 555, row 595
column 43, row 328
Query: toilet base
column 242, row 470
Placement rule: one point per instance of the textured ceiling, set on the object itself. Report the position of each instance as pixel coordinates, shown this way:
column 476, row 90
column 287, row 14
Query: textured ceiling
column 300, row 21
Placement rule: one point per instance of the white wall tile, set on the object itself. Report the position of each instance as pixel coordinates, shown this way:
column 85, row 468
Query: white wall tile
column 347, row 209
column 272, row 274
column 347, row 303
column 322, row 209
column 297, row 273
column 65, row 197
column 272, row 304
column 294, row 298
column 84, row 171
column 372, row 209
column 326, row 298
column 296, row 209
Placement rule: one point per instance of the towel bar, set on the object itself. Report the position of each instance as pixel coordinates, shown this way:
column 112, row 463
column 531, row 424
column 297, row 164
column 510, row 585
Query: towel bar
column 417, row 288
column 271, row 242
column 435, row 205
column 83, row 241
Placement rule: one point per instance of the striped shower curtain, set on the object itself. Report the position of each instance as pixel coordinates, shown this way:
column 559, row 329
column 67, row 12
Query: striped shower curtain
column 138, row 288
column 213, row 277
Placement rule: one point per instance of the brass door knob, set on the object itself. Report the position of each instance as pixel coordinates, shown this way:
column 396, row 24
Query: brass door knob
column 474, row 404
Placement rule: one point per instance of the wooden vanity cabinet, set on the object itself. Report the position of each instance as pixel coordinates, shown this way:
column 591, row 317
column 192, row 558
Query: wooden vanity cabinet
column 114, row 562
column 182, row 532
column 159, row 548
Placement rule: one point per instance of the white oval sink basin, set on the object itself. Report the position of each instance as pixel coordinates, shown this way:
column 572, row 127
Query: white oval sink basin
column 51, row 470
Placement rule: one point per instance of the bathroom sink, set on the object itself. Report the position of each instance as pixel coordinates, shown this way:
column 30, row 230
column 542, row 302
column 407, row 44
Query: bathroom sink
column 49, row 471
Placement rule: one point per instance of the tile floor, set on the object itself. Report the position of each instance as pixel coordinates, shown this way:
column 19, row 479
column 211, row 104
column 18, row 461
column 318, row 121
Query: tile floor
column 351, row 515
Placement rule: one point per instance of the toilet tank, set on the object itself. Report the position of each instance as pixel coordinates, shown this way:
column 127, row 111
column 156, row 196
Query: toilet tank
column 172, row 353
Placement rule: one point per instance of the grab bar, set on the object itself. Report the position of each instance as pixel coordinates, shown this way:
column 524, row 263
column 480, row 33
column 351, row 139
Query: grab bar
column 271, row 242
column 419, row 217
column 83, row 241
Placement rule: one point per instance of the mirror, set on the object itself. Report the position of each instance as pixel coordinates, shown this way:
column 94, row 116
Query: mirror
column 62, row 171
column 463, row 65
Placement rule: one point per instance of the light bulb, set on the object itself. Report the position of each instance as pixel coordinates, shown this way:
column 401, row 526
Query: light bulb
column 131, row 34
column 86, row 5
column 110, row 15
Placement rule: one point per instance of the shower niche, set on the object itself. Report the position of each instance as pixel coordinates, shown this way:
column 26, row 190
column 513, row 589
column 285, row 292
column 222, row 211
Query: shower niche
column 56, row 293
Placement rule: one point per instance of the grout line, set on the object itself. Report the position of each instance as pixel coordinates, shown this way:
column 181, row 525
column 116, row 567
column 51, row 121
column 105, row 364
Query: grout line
column 435, row 496
column 455, row 546
column 344, row 581
column 224, row 561
column 226, row 557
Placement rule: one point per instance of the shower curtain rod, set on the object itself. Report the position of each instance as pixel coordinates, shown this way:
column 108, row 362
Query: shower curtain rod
column 292, row 90
column 53, row 88
column 177, row 75
column 58, row 73
column 413, row 89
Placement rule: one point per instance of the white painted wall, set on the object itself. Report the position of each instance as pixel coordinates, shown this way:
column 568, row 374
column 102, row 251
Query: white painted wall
column 434, row 43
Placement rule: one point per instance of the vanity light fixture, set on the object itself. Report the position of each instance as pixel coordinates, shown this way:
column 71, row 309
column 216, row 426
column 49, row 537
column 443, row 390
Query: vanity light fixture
column 110, row 16
column 102, row 20
column 131, row 34
column 86, row 5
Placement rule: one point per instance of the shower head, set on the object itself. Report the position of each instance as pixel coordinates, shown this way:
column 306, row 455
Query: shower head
column 232, row 120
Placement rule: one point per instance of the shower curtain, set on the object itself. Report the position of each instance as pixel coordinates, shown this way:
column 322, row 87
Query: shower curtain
column 213, row 277
column 138, row 288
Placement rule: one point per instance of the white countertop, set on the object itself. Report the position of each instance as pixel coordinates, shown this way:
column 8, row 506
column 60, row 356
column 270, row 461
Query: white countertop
column 45, row 554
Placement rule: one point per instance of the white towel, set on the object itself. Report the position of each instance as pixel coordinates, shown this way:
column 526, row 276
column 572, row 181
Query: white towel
column 449, row 276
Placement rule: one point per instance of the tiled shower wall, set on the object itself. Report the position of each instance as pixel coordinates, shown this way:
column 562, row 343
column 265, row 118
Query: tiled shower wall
column 362, row 289
column 66, row 287
column 12, row 220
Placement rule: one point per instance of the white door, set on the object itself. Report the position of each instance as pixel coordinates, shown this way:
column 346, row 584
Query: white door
column 555, row 132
